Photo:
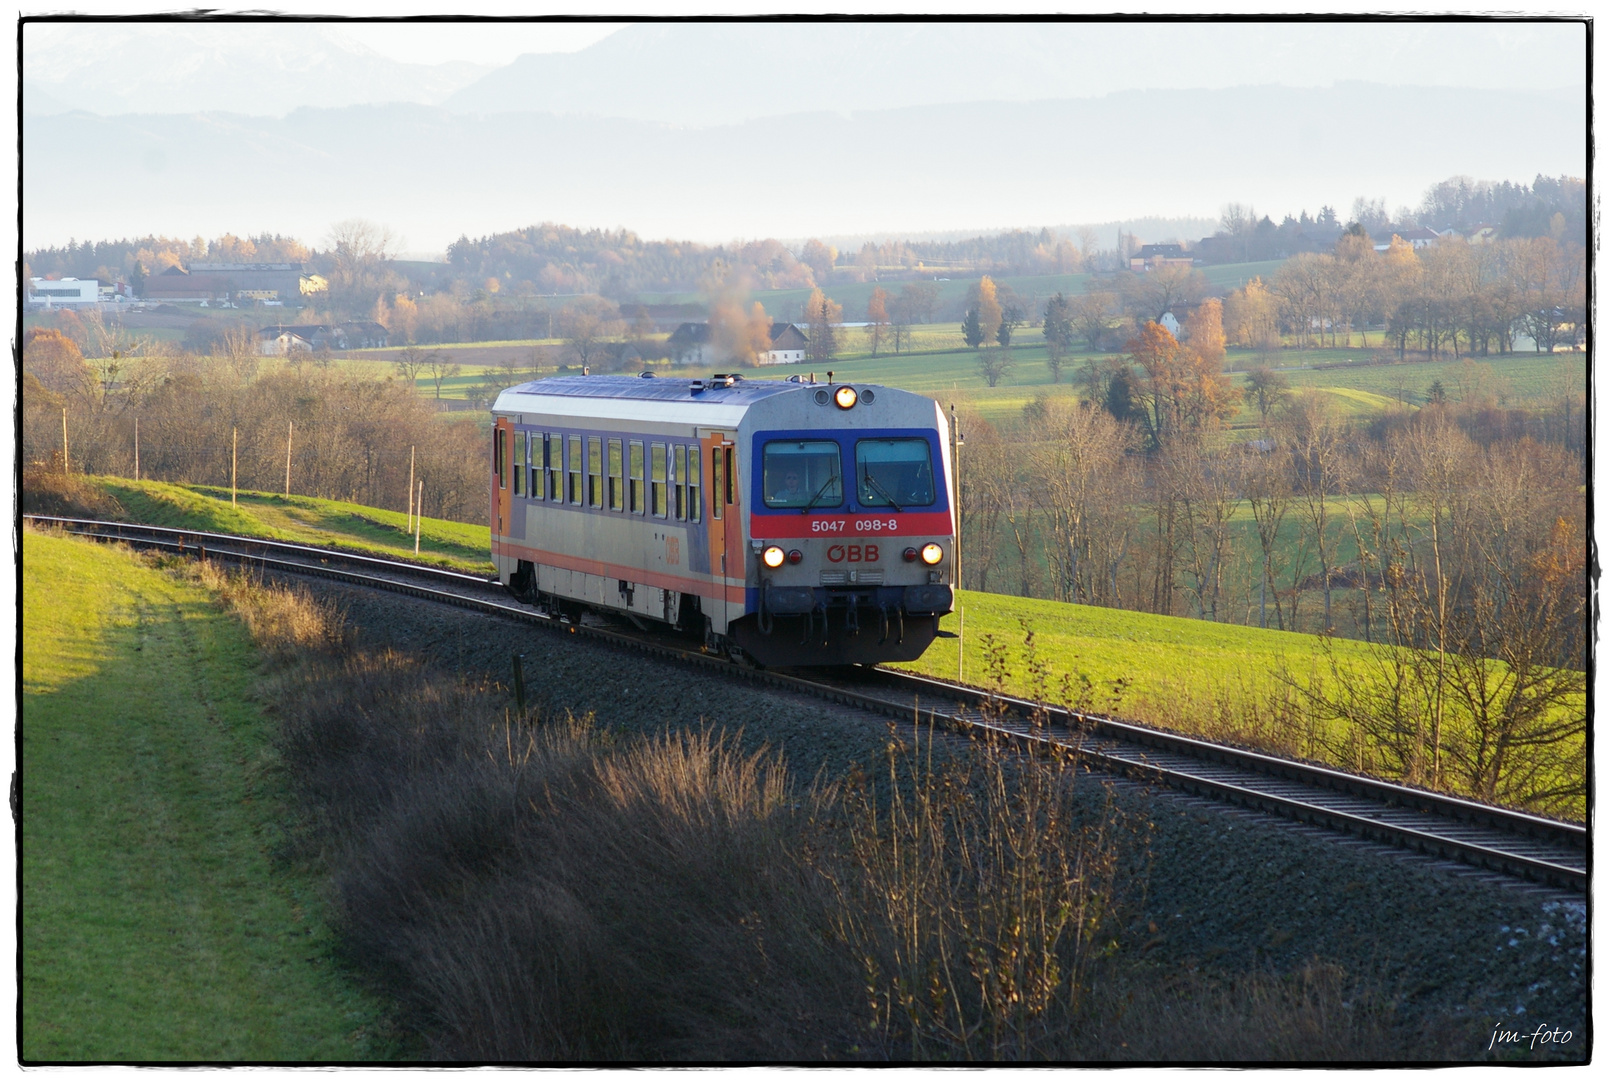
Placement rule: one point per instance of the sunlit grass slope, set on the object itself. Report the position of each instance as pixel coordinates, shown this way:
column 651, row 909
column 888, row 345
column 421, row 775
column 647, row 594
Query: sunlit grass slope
column 302, row 519
column 155, row 925
column 1152, row 656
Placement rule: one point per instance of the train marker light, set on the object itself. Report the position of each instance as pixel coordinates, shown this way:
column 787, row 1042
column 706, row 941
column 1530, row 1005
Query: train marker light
column 931, row 554
column 845, row 397
column 909, row 554
column 796, row 556
column 772, row 556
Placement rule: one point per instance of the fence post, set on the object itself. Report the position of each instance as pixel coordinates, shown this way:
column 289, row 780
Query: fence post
column 519, row 682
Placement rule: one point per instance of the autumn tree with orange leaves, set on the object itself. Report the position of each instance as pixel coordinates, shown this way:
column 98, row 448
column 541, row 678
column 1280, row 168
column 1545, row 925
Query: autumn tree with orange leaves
column 1176, row 389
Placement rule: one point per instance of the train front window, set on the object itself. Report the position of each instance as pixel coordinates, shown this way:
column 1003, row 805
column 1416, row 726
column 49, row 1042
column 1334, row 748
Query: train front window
column 894, row 472
column 804, row 473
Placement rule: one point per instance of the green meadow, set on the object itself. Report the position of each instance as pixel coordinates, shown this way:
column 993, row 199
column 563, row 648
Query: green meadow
column 156, row 922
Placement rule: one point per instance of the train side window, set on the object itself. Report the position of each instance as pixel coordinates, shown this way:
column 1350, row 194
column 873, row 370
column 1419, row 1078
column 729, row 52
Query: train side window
column 519, row 463
column 553, row 451
column 594, row 471
column 617, row 487
column 679, row 480
column 695, row 511
column 656, row 479
column 637, row 504
column 500, row 457
column 538, row 464
column 731, row 474
column 718, row 478
column 574, row 454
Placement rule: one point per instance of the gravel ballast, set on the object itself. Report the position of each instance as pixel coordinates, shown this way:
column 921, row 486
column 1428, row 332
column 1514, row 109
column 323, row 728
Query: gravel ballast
column 1228, row 891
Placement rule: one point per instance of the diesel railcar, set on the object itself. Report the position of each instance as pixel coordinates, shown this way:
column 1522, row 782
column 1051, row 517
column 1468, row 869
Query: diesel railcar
column 788, row 523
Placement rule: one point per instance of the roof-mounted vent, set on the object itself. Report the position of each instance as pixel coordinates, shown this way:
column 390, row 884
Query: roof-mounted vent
column 696, row 386
column 724, row 380
column 646, row 375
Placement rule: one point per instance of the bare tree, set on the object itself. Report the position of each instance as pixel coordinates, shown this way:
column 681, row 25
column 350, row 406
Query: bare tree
column 440, row 367
column 409, row 362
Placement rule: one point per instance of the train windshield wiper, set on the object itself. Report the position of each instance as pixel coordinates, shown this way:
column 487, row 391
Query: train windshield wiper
column 811, row 505
column 875, row 486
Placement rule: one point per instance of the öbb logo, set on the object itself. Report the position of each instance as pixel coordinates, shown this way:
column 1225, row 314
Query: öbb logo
column 852, row 553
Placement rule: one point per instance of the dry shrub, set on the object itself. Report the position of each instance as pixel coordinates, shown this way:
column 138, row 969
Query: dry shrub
column 974, row 894
column 543, row 893
column 52, row 494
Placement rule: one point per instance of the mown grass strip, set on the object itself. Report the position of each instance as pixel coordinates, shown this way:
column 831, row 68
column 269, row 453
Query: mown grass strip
column 155, row 924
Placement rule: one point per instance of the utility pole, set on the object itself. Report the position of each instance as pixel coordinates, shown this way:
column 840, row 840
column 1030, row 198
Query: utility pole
column 136, row 448
column 957, row 440
column 64, row 469
column 289, row 435
column 410, row 488
column 420, row 519
column 234, row 463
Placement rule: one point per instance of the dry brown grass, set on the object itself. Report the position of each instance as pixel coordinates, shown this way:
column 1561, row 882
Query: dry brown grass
column 48, row 492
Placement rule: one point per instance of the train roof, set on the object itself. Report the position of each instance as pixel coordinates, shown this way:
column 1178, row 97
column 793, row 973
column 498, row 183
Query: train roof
column 712, row 401
column 635, row 388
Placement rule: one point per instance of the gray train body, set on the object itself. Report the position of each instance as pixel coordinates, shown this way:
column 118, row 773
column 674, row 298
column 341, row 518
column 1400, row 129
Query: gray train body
column 669, row 500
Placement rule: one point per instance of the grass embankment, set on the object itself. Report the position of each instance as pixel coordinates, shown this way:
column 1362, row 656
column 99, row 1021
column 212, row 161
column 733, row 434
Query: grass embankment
column 155, row 923
column 1235, row 684
column 301, row 519
column 1186, row 674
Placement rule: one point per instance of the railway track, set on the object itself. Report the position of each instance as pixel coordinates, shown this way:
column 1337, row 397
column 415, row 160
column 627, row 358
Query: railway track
column 1509, row 842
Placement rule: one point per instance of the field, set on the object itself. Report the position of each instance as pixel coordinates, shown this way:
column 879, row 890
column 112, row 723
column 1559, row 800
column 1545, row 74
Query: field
column 156, row 923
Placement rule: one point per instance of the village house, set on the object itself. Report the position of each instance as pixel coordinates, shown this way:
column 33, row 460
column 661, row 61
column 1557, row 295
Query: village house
column 690, row 344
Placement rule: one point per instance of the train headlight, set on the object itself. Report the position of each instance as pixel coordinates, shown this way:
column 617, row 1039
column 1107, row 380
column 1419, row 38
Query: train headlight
column 796, row 556
column 932, row 554
column 773, row 556
column 845, row 397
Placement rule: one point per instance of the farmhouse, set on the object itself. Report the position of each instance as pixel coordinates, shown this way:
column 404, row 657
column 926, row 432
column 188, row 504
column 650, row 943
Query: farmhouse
column 281, row 340
column 690, row 344
column 225, row 282
column 1156, row 256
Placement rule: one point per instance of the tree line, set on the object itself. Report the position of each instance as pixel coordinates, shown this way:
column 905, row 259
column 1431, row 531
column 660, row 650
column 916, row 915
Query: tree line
column 348, row 436
column 1458, row 529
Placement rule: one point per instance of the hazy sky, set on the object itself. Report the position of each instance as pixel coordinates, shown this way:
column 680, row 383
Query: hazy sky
column 655, row 79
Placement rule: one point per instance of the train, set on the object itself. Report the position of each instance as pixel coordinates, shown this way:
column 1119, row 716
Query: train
column 785, row 522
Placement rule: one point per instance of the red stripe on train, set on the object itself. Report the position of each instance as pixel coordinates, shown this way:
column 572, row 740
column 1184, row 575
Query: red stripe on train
column 842, row 526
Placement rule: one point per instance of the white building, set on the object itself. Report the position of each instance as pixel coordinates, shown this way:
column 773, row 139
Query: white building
column 69, row 292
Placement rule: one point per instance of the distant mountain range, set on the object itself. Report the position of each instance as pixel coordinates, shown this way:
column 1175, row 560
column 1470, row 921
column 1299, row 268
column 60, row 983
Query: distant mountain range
column 254, row 69
column 700, row 74
column 432, row 173
column 722, row 72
